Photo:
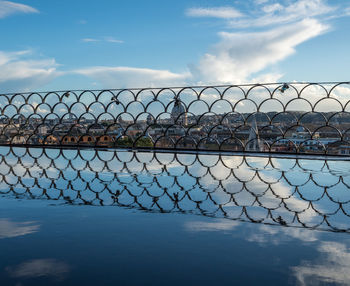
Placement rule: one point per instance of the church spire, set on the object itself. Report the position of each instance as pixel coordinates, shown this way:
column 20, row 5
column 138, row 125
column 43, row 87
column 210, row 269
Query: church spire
column 254, row 143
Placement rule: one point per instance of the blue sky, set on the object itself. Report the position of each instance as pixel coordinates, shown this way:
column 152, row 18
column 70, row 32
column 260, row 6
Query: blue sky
column 81, row 44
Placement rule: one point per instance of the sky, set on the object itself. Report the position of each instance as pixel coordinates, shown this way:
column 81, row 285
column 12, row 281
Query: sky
column 79, row 44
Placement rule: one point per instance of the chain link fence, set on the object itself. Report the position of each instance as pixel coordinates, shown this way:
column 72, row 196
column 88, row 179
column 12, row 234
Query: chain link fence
column 304, row 118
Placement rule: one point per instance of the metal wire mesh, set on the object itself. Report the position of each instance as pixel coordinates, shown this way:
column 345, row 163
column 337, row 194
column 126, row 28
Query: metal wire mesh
column 310, row 118
column 291, row 192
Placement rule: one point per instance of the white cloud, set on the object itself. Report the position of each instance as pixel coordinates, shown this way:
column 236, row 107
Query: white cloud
column 246, row 54
column 6, row 57
column 259, row 2
column 89, row 40
column 39, row 268
column 113, row 40
column 135, row 77
column 272, row 8
column 9, row 229
column 215, row 12
column 21, row 74
column 278, row 14
column 238, row 56
column 8, row 8
column 108, row 39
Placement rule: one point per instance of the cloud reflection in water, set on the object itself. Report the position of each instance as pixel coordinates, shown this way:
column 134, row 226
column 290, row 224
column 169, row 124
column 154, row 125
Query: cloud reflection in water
column 217, row 225
column 9, row 229
column 331, row 267
column 39, row 268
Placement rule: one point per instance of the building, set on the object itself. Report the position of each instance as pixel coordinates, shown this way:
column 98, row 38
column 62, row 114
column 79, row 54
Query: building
column 178, row 113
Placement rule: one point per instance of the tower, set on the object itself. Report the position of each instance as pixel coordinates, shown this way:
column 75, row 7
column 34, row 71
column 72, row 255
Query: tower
column 254, row 142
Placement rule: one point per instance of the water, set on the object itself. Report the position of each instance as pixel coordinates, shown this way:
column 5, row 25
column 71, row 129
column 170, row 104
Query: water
column 124, row 218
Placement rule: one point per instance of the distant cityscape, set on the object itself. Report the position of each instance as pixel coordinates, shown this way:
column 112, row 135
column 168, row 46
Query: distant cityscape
column 307, row 132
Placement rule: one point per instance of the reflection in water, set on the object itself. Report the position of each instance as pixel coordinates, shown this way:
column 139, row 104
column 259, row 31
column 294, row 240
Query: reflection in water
column 218, row 225
column 331, row 267
column 9, row 229
column 39, row 268
column 287, row 192
column 267, row 234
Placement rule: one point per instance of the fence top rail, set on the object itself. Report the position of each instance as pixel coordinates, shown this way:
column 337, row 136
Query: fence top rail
column 184, row 87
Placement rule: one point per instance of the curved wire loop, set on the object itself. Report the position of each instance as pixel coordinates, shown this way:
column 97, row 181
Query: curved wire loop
column 302, row 118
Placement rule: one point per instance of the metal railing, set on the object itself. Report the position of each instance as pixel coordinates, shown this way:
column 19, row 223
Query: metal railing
column 311, row 194
column 303, row 118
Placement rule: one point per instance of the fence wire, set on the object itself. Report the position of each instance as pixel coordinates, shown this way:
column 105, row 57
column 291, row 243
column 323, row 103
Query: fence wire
column 310, row 118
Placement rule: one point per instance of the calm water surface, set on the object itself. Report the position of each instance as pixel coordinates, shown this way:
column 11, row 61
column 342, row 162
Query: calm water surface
column 126, row 219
